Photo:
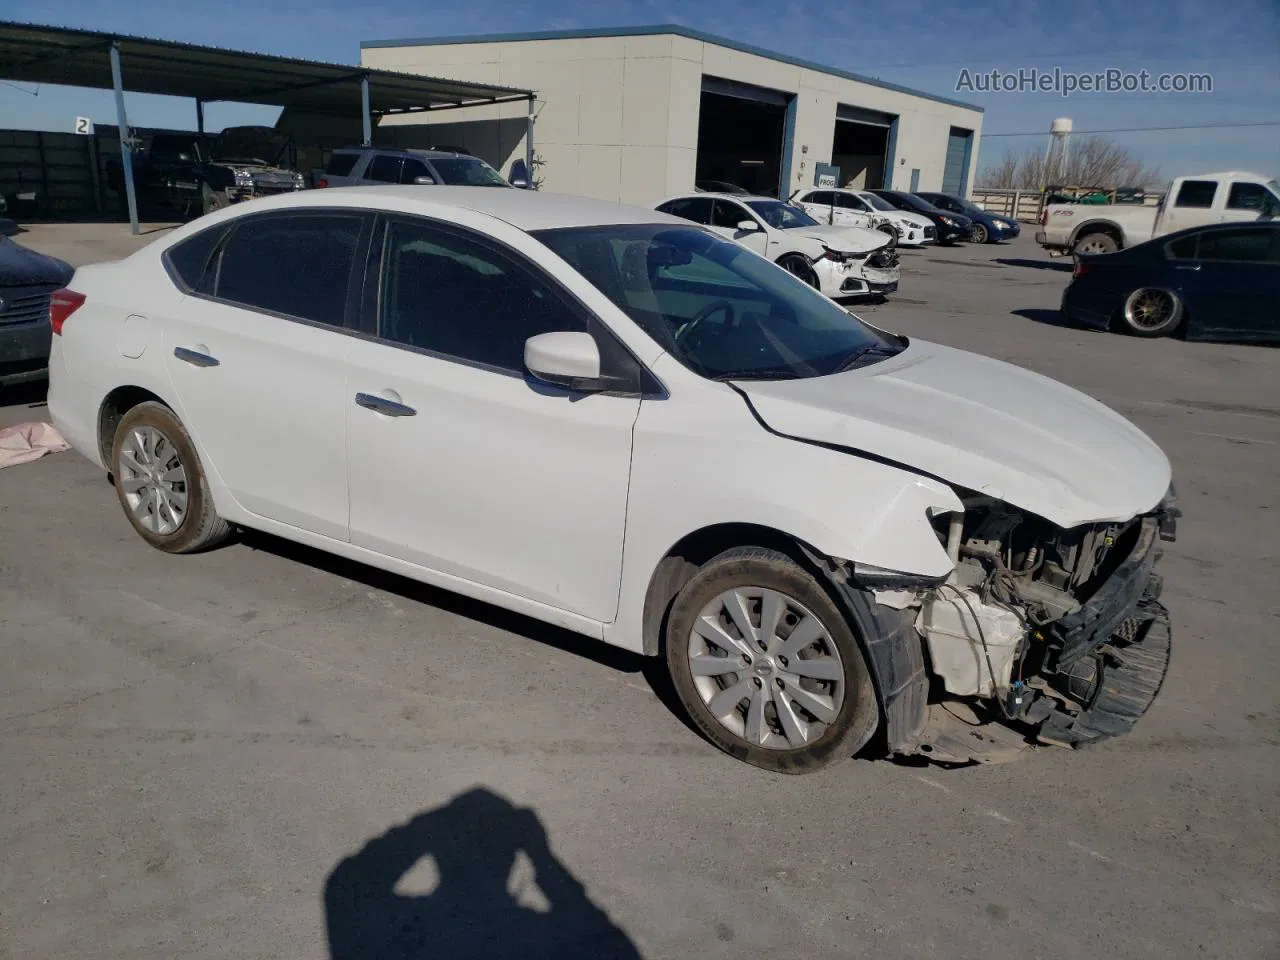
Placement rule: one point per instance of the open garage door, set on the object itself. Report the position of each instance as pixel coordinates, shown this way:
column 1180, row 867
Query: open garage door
column 959, row 143
column 861, row 146
column 741, row 129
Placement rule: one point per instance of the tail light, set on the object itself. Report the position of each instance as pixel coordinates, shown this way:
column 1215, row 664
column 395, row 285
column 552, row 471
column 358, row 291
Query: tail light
column 1044, row 217
column 63, row 304
column 1079, row 270
column 321, row 183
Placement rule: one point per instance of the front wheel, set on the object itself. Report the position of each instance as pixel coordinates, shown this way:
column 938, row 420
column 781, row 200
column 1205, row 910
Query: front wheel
column 978, row 233
column 1151, row 312
column 798, row 266
column 212, row 200
column 767, row 666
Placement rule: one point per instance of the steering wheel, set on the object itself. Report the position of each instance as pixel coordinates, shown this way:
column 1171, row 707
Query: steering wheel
column 716, row 306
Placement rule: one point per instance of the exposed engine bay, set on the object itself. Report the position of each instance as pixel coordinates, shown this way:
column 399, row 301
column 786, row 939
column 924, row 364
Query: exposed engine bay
column 1031, row 620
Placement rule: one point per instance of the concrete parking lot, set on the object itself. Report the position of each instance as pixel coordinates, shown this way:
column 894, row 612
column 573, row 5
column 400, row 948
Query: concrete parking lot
column 197, row 750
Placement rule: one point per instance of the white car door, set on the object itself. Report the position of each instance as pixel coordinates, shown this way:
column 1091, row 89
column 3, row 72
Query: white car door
column 1246, row 202
column 258, row 361
column 1193, row 206
column 726, row 218
column 461, row 462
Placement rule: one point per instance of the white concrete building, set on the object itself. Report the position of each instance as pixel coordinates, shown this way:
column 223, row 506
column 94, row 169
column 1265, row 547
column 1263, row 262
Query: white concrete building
column 637, row 114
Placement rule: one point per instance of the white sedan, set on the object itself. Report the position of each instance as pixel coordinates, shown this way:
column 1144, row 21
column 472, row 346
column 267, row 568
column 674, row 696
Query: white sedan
column 842, row 261
column 853, row 206
column 610, row 420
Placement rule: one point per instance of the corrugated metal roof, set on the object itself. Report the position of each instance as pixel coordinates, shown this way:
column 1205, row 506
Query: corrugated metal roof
column 43, row 54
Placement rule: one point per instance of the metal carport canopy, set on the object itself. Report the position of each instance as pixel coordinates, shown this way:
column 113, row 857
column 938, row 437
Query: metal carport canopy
column 110, row 61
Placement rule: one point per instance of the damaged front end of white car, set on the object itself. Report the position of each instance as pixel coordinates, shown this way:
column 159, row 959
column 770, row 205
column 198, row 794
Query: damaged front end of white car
column 1040, row 634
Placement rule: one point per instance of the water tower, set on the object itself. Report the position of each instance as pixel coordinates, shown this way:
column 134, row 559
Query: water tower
column 1055, row 154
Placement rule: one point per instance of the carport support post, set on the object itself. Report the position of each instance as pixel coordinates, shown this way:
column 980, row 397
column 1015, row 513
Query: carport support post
column 528, row 144
column 365, row 116
column 200, row 121
column 126, row 152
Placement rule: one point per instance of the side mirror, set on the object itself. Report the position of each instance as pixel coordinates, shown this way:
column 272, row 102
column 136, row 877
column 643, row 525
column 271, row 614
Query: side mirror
column 566, row 359
column 748, row 226
column 519, row 176
column 424, row 181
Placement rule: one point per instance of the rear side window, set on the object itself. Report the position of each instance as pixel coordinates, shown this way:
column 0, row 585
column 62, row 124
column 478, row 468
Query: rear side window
column 1196, row 193
column 1184, row 248
column 1249, row 246
column 697, row 209
column 341, row 164
column 384, row 169
column 297, row 265
column 824, row 197
column 188, row 261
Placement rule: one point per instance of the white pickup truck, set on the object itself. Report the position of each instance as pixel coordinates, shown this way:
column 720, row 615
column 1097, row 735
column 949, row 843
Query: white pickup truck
column 1189, row 202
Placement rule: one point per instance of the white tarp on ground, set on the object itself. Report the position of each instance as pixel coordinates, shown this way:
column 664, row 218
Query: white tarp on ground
column 29, row 441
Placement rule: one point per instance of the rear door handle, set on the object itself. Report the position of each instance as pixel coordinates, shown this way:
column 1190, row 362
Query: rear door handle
column 195, row 357
column 382, row 405
column 1193, row 267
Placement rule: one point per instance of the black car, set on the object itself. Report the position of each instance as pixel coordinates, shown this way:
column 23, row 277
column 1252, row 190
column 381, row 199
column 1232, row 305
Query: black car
column 985, row 227
column 184, row 174
column 1220, row 282
column 951, row 226
column 27, row 282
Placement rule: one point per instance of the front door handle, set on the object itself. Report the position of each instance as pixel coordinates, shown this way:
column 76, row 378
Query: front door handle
column 1193, row 267
column 195, row 357
column 382, row 405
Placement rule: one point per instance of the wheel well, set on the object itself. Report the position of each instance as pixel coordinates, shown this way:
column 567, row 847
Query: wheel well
column 117, row 403
column 1099, row 226
column 685, row 558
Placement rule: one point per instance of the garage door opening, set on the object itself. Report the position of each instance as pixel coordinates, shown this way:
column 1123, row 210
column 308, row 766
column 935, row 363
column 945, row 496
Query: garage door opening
column 861, row 146
column 741, row 129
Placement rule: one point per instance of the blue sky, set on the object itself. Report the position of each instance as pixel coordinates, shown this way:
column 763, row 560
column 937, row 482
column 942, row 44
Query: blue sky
column 919, row 43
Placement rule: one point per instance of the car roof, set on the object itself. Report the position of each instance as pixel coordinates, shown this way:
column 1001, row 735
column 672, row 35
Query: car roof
column 526, row 210
column 405, row 152
column 711, row 194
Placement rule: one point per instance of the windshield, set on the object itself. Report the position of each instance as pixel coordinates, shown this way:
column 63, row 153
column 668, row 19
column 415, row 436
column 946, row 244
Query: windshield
column 1274, row 188
column 723, row 311
column 467, row 172
column 879, row 203
column 781, row 216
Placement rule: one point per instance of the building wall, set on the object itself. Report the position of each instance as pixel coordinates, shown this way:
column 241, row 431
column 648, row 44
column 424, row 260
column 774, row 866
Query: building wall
column 617, row 117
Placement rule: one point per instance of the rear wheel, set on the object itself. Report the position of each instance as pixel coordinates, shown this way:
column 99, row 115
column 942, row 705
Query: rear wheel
column 767, row 666
column 1096, row 243
column 798, row 266
column 1151, row 312
column 160, row 483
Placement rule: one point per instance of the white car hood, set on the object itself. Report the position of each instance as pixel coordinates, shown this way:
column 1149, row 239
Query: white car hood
column 844, row 239
column 978, row 423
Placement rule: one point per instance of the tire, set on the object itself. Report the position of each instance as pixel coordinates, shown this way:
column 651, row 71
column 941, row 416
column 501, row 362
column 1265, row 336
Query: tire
column 978, row 233
column 172, row 513
column 1151, row 312
column 1096, row 243
column 891, row 230
column 796, row 265
column 214, row 200
column 770, row 725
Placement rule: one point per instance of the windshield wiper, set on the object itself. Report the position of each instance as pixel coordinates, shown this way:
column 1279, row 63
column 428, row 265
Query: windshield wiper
column 775, row 373
column 851, row 361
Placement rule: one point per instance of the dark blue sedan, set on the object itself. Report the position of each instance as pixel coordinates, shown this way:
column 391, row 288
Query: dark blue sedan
column 1220, row 282
column 984, row 227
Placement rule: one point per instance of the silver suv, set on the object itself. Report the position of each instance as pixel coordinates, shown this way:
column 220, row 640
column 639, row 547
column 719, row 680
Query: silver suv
column 362, row 166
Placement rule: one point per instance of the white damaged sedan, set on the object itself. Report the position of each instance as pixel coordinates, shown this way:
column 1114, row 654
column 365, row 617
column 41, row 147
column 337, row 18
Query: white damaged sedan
column 607, row 419
column 843, row 261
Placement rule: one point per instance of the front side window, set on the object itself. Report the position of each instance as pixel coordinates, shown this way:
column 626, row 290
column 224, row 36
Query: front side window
column 1247, row 196
column 1196, row 193
column 729, row 214
column 384, row 169
column 413, row 169
column 849, row 202
column 697, row 209
column 781, row 216
column 721, row 310
column 298, row 265
column 467, row 172
column 452, row 295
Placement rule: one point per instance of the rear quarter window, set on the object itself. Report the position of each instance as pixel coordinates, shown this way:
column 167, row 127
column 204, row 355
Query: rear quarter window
column 188, row 261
